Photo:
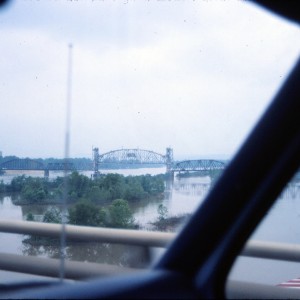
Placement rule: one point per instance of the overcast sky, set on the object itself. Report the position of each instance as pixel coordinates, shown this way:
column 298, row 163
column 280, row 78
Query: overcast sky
column 193, row 75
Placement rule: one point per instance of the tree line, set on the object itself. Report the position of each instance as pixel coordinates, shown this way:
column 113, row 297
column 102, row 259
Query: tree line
column 87, row 197
column 86, row 213
column 35, row 190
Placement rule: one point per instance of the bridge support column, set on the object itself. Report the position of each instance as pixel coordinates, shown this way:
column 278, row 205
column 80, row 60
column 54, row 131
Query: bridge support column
column 169, row 180
column 46, row 173
column 96, row 162
column 169, row 185
column 169, row 160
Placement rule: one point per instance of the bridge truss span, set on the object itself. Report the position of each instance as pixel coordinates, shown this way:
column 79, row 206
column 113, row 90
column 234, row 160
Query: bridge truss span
column 22, row 164
column 27, row 164
column 132, row 156
column 61, row 166
column 198, row 165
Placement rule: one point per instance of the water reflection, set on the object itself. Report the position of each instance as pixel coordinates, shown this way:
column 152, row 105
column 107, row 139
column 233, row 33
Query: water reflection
column 198, row 189
column 281, row 224
column 182, row 196
column 8, row 210
column 292, row 191
column 33, row 246
column 121, row 255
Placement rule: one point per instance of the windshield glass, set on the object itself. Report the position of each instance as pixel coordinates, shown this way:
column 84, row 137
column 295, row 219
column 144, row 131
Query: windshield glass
column 271, row 255
column 148, row 100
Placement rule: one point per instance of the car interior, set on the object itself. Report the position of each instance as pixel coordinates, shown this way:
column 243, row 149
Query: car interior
column 198, row 261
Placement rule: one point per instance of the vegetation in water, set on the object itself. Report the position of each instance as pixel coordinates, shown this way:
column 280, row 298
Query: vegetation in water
column 88, row 214
column 85, row 213
column 105, row 189
column 164, row 222
column 102, row 202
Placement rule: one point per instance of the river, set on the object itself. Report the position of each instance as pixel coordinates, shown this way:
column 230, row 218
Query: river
column 183, row 196
column 281, row 224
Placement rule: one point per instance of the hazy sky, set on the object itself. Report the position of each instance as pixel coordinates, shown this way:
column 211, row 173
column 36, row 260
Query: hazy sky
column 193, row 75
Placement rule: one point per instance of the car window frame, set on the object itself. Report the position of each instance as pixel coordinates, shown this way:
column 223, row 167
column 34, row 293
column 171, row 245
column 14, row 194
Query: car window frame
column 198, row 261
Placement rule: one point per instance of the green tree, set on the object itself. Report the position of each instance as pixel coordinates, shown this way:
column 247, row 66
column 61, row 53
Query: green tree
column 162, row 212
column 86, row 213
column 2, row 187
column 34, row 189
column 56, row 183
column 134, row 189
column 52, row 215
column 98, row 195
column 115, row 185
column 162, row 221
column 30, row 217
column 17, row 183
column 32, row 194
column 153, row 184
column 120, row 215
column 78, row 185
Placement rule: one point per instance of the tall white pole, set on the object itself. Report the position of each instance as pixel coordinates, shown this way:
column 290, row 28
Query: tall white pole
column 67, row 155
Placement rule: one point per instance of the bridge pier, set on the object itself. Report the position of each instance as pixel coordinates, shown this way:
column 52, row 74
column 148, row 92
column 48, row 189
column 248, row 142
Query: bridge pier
column 96, row 162
column 169, row 185
column 169, row 159
column 169, row 180
column 46, row 173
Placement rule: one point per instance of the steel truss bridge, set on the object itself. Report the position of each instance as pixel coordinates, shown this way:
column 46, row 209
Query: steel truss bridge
column 198, row 165
column 21, row 164
column 146, row 157
column 131, row 157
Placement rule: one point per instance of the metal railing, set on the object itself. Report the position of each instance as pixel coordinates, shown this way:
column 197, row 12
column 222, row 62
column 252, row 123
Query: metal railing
column 80, row 270
column 89, row 234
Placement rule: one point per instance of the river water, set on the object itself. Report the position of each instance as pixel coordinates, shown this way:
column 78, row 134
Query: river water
column 280, row 225
column 181, row 197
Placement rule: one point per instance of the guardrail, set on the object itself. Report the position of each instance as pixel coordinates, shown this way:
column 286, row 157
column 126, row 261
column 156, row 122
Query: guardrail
column 80, row 270
column 90, row 234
